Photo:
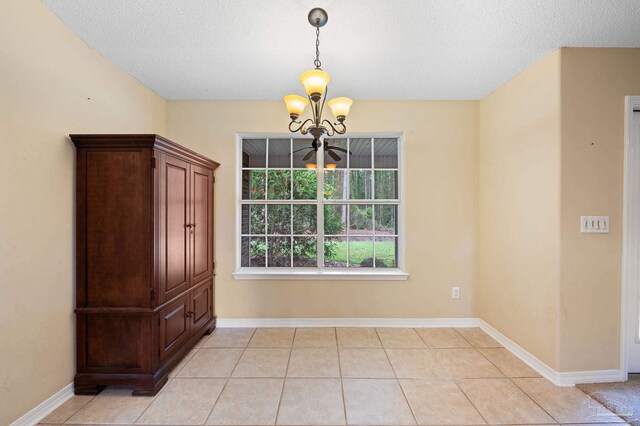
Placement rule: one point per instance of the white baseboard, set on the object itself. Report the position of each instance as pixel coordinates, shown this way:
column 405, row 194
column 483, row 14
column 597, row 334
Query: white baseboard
column 346, row 322
column 564, row 379
column 45, row 408
column 596, row 376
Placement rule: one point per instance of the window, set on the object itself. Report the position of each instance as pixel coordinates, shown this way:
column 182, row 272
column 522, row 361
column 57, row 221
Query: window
column 295, row 221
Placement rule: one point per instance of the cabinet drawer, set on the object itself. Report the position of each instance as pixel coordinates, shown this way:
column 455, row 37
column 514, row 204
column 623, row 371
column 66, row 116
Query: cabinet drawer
column 201, row 304
column 174, row 326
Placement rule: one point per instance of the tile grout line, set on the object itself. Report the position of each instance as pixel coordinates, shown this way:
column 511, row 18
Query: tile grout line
column 423, row 340
column 500, row 369
column 375, row 330
column 470, row 401
column 284, row 380
column 228, row 378
column 502, row 378
column 623, row 420
column 344, row 402
column 404, row 395
column 195, row 349
column 453, row 379
column 464, row 338
column 186, row 361
column 169, row 380
column 72, row 414
column 557, row 421
column 154, row 398
column 513, row 383
column 534, row 401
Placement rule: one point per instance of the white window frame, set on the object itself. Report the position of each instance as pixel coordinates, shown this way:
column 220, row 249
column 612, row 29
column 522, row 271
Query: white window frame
column 630, row 236
column 321, row 272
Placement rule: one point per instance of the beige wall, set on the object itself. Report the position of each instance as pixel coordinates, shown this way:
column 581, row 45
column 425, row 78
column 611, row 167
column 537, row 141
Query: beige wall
column 440, row 187
column 519, row 208
column 46, row 77
column 551, row 149
column 594, row 84
column 493, row 191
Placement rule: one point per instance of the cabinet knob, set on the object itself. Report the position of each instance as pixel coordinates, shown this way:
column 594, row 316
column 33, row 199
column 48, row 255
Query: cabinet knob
column 190, row 314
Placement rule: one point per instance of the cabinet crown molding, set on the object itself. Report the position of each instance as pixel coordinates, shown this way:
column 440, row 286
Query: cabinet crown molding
column 139, row 141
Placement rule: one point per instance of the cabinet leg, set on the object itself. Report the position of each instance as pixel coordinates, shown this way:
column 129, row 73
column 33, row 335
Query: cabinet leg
column 150, row 389
column 87, row 389
column 212, row 328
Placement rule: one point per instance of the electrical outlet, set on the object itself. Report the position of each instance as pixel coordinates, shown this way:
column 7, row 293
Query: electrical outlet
column 455, row 292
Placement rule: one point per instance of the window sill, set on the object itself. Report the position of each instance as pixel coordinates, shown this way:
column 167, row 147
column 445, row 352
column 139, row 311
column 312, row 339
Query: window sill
column 320, row 275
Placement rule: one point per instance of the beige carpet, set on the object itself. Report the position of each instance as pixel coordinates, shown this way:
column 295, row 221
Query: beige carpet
column 621, row 398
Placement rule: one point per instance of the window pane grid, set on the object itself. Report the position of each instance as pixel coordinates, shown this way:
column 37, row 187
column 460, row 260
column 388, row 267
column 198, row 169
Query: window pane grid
column 364, row 231
column 333, row 235
column 294, row 235
column 363, row 234
column 360, row 201
column 395, row 202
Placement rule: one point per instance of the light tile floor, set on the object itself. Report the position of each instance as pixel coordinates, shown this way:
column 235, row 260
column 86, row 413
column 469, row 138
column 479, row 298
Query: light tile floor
column 355, row 376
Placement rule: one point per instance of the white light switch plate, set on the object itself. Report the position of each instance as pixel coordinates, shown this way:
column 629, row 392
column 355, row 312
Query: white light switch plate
column 594, row 224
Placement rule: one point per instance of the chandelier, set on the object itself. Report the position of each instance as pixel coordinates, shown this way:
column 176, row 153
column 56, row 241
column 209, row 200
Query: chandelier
column 315, row 82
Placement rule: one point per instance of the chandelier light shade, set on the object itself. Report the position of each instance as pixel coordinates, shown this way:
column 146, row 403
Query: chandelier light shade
column 316, row 85
column 340, row 107
column 295, row 105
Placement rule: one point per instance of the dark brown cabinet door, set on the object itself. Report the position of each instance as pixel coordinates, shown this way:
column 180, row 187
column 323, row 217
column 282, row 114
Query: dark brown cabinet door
column 201, row 223
column 174, row 326
column 201, row 305
column 174, row 218
column 114, row 235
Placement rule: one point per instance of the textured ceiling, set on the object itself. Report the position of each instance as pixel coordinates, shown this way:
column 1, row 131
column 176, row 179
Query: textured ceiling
column 374, row 49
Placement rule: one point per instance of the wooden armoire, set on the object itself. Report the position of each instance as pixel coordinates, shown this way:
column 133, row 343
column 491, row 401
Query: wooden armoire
column 144, row 259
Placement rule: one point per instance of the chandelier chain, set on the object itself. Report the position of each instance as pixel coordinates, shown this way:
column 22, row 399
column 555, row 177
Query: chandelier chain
column 317, row 62
column 316, row 83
